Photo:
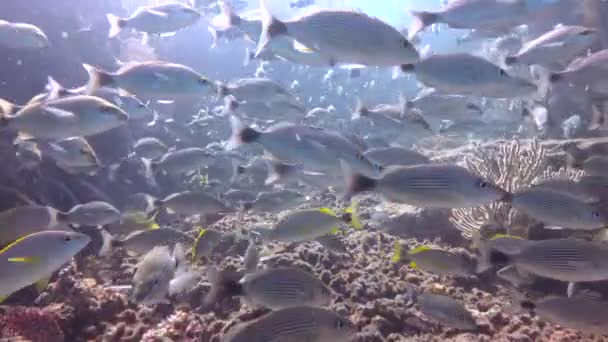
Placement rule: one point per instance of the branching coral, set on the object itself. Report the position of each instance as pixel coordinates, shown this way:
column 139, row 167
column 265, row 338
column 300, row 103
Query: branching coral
column 510, row 165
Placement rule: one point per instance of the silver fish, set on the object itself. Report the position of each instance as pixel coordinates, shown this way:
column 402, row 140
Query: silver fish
column 165, row 18
column 343, row 36
column 432, row 186
column 296, row 324
column 446, row 311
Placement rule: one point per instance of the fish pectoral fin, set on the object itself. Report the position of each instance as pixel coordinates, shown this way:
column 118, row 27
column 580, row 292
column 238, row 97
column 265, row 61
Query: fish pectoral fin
column 298, row 46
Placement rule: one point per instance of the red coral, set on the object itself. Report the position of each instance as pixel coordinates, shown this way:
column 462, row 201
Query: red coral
column 31, row 324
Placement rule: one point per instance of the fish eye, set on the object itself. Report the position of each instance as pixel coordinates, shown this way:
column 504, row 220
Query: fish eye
column 405, row 43
column 340, row 324
column 106, row 109
column 67, row 239
column 483, row 184
column 203, row 81
column 503, row 72
column 596, row 214
column 586, row 32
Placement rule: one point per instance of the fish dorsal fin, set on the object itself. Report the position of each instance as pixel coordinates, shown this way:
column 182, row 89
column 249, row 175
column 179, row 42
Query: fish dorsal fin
column 419, row 249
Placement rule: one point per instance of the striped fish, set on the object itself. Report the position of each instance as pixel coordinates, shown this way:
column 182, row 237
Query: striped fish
column 446, row 311
column 296, row 324
column 558, row 209
column 563, row 259
column 432, row 186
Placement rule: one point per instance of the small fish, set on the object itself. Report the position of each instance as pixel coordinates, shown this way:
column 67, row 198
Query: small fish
column 309, row 224
column 35, row 256
column 344, row 36
column 71, row 155
column 205, row 243
column 164, row 18
column 274, row 288
column 396, row 155
column 22, row 36
column 25, row 220
column 316, row 149
column 95, row 213
column 566, row 260
column 274, row 201
column 579, row 190
column 465, row 74
column 559, row 46
column 151, row 281
column 142, row 241
column 559, row 209
column 447, row 311
column 580, row 313
column 191, row 203
column 65, row 118
column 151, row 78
column 429, row 186
column 469, row 14
column 586, row 72
column 332, row 242
column 150, row 148
column 436, row 260
column 297, row 324
column 182, row 161
column 254, row 90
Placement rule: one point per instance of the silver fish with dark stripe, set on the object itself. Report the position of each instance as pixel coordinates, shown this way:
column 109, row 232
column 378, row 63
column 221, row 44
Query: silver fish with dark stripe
column 567, row 260
column 297, row 324
column 558, row 209
column 431, row 186
column 276, row 288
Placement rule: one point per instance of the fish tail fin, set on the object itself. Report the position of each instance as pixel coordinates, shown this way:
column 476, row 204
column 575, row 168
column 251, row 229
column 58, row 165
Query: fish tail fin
column 222, row 90
column 360, row 109
column 249, row 55
column 271, row 27
column 213, row 33
column 241, row 134
column 227, row 16
column 179, row 255
column 422, row 20
column 490, row 257
column 358, row 183
column 97, row 78
column 230, row 105
column 351, row 215
column 223, row 284
column 6, row 108
column 55, row 89
column 116, row 24
column 107, row 242
column 237, row 171
column 278, row 172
